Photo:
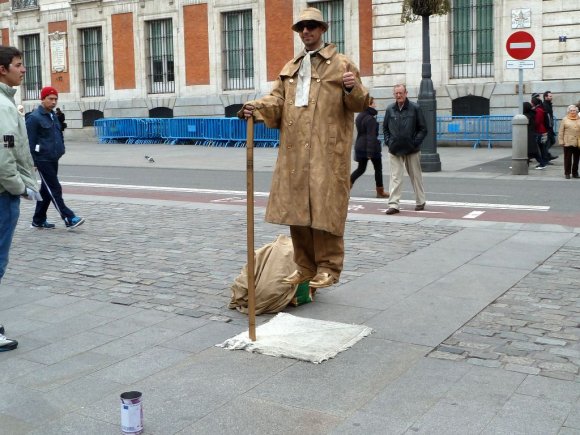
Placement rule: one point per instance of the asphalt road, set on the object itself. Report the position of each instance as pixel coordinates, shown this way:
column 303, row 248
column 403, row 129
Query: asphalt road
column 561, row 196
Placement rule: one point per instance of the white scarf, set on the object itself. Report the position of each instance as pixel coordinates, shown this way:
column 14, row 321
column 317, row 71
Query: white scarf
column 304, row 77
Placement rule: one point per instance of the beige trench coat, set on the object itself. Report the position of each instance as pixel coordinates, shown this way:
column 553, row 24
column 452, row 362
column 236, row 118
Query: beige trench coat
column 311, row 184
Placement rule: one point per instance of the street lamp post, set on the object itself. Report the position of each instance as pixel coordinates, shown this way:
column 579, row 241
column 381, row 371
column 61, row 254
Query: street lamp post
column 430, row 161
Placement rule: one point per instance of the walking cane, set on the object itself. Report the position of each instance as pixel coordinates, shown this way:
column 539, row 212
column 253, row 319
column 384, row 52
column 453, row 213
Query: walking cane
column 250, row 208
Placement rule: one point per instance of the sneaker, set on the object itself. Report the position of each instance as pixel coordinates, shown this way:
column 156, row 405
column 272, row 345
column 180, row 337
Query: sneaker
column 540, row 167
column 43, row 226
column 74, row 222
column 7, row 344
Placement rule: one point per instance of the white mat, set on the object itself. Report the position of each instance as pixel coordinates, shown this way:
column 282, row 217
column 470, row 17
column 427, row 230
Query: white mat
column 296, row 337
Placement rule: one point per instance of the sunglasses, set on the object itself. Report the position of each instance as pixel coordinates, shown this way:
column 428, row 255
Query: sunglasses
column 310, row 25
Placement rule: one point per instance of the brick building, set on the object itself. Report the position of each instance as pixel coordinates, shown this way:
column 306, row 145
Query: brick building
column 140, row 58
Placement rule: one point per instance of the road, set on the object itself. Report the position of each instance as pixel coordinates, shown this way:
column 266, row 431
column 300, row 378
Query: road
column 496, row 199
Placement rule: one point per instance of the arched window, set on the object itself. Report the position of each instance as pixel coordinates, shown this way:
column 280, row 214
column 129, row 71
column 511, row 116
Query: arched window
column 470, row 105
column 232, row 110
column 90, row 116
column 161, row 112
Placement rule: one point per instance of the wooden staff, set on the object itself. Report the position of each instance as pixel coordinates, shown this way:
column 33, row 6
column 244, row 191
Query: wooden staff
column 250, row 208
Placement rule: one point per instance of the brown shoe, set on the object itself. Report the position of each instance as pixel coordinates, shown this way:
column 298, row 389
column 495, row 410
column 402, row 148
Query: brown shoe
column 392, row 210
column 296, row 277
column 322, row 279
column 420, row 207
column 381, row 193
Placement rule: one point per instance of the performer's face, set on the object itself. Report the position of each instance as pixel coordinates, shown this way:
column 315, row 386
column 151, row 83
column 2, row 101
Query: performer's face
column 311, row 36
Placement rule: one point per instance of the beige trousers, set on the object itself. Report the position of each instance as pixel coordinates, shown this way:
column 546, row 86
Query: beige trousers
column 317, row 251
column 412, row 163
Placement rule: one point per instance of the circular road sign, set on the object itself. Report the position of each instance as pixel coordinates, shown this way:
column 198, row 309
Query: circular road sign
column 520, row 45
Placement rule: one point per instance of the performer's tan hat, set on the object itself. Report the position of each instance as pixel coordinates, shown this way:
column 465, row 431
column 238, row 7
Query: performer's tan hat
column 311, row 14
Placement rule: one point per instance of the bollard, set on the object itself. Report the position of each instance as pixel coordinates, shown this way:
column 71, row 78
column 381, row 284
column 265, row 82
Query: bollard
column 131, row 413
column 519, row 145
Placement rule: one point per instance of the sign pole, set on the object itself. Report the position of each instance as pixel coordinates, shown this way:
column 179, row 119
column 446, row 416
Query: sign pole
column 521, row 90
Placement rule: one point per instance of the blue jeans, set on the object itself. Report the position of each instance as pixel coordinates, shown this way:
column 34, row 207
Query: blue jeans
column 9, row 213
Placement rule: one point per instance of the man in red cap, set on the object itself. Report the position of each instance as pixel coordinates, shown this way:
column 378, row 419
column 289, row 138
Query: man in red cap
column 47, row 147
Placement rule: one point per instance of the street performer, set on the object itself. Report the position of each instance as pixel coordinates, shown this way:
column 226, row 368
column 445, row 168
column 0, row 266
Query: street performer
column 313, row 104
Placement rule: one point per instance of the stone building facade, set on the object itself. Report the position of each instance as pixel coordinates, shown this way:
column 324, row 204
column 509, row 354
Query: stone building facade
column 141, row 58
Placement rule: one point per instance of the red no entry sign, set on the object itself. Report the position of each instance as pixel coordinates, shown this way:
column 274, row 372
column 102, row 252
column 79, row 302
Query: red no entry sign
column 520, row 45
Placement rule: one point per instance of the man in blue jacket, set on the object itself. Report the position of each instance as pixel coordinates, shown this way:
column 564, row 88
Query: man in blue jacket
column 47, row 147
column 404, row 128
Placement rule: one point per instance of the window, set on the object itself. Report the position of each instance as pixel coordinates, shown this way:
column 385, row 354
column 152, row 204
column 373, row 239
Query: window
column 90, row 116
column 93, row 79
column 333, row 13
column 472, row 38
column 24, row 4
column 238, row 51
column 161, row 75
column 32, row 83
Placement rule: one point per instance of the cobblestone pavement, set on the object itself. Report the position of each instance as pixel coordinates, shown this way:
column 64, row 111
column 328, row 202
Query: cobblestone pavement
column 533, row 328
column 176, row 259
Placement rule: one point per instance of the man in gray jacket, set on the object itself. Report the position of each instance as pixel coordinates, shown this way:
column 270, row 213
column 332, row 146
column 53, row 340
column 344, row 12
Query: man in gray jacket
column 16, row 167
column 404, row 129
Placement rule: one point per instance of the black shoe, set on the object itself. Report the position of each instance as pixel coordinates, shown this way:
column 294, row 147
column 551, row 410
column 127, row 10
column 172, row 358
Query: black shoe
column 1, row 329
column 420, row 207
column 44, row 225
column 392, row 210
column 551, row 157
column 7, row 344
column 567, row 176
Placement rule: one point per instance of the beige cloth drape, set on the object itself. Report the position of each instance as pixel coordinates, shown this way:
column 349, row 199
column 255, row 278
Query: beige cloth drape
column 274, row 261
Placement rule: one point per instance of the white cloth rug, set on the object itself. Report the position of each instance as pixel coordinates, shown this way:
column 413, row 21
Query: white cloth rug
column 296, row 337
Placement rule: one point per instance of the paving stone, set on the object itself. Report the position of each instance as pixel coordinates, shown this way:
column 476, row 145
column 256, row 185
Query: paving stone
column 483, row 362
column 522, row 369
column 550, row 341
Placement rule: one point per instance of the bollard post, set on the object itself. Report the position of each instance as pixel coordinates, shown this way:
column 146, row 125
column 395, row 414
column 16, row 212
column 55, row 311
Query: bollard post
column 519, row 145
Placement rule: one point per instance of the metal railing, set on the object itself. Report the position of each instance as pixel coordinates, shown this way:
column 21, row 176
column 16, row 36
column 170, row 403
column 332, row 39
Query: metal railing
column 24, row 4
column 231, row 132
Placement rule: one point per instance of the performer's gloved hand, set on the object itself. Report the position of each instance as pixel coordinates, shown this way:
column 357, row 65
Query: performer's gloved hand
column 32, row 195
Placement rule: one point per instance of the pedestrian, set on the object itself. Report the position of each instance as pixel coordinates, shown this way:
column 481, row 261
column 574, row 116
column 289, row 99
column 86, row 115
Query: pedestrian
column 47, row 147
column 549, row 120
column 17, row 177
column 313, row 102
column 533, row 149
column 540, row 130
column 368, row 147
column 60, row 116
column 404, row 129
column 569, row 138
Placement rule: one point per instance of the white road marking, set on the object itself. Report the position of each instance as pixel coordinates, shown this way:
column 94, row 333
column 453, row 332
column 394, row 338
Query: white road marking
column 473, row 215
column 520, row 45
column 516, row 207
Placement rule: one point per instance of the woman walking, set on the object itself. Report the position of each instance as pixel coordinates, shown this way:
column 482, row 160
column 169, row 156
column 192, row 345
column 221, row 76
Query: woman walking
column 368, row 147
column 568, row 137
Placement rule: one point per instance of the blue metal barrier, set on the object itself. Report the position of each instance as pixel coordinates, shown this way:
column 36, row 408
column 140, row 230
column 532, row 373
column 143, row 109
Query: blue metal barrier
column 232, row 131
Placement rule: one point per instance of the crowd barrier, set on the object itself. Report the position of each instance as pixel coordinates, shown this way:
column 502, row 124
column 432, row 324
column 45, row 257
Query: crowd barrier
column 232, row 131
column 198, row 131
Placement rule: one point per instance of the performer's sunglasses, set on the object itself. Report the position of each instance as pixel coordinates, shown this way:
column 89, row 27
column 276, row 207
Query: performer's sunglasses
column 310, row 25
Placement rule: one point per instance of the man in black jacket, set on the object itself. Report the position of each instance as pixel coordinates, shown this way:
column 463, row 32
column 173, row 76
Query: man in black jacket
column 549, row 110
column 404, row 128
